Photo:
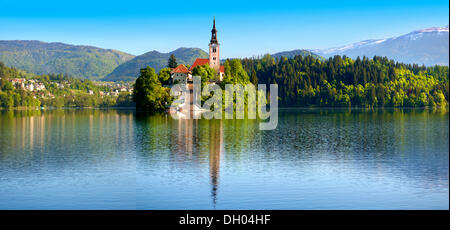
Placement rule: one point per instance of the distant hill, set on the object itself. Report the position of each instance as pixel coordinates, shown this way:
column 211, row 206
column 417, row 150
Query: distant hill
column 78, row 61
column 293, row 53
column 428, row 46
column 130, row 69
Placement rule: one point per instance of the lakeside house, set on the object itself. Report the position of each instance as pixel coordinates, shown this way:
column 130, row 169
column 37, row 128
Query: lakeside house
column 181, row 74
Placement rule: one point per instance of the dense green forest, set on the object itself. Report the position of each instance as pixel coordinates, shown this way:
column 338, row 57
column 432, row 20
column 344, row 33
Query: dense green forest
column 341, row 81
column 60, row 91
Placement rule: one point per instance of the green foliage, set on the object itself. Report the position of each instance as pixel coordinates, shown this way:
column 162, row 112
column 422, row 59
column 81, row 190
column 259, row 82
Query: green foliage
column 172, row 62
column 205, row 72
column 149, row 94
column 17, row 99
column 6, row 100
column 341, row 81
column 74, row 94
column 44, row 58
column 164, row 76
column 6, row 85
column 125, row 100
column 254, row 78
column 235, row 72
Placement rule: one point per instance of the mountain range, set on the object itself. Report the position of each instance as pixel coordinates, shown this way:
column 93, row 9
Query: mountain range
column 44, row 58
column 293, row 53
column 428, row 46
column 130, row 69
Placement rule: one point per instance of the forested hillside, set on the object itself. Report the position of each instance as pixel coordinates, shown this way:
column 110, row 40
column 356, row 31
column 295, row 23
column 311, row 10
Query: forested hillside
column 46, row 58
column 156, row 60
column 342, row 81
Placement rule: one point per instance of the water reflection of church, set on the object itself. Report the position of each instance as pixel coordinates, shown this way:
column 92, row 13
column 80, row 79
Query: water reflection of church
column 210, row 135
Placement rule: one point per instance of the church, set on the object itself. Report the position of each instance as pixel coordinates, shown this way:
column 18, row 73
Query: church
column 184, row 75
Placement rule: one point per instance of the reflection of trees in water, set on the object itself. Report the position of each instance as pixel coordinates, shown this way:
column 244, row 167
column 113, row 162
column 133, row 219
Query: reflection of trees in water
column 64, row 137
column 153, row 133
column 346, row 131
column 239, row 136
column 395, row 142
column 372, row 141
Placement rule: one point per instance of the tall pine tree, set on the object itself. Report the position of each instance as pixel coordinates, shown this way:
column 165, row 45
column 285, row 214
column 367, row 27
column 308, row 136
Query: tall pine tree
column 172, row 62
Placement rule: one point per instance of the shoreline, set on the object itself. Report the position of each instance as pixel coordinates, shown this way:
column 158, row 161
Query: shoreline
column 163, row 111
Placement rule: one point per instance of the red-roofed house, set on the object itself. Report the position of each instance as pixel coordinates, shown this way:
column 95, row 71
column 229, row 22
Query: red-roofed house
column 199, row 61
column 180, row 73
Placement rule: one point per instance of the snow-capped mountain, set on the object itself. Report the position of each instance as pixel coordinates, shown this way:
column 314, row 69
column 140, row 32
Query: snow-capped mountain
column 427, row 46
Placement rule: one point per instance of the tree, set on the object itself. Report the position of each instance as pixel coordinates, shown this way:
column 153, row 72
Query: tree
column 440, row 100
column 6, row 100
column 125, row 100
column 164, row 76
column 372, row 97
column 235, row 73
column 172, row 62
column 148, row 92
column 205, row 72
column 254, row 78
column 5, row 85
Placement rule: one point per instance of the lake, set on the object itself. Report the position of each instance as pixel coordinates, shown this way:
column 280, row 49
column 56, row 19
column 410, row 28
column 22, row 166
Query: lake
column 314, row 159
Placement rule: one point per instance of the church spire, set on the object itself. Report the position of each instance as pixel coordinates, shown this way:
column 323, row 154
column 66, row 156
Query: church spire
column 214, row 33
column 214, row 58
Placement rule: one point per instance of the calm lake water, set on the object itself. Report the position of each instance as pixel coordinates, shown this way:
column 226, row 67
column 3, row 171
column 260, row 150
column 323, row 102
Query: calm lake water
column 315, row 159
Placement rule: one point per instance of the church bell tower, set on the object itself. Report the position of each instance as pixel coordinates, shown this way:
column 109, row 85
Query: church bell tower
column 214, row 60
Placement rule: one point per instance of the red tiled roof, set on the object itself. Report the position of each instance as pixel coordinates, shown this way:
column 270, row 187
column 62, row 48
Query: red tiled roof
column 222, row 69
column 180, row 69
column 199, row 61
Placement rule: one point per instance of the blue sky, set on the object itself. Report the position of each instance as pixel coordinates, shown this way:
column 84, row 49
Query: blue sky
column 244, row 28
